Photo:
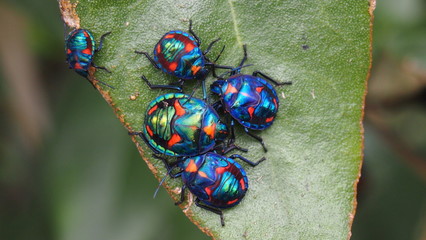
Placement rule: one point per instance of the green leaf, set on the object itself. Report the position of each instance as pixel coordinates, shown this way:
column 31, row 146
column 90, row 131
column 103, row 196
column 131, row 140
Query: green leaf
column 306, row 189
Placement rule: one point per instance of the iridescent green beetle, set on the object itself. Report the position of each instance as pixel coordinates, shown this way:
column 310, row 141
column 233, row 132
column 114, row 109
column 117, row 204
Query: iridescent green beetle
column 179, row 125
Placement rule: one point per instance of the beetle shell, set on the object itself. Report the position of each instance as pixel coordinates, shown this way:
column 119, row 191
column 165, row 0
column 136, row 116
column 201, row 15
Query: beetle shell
column 80, row 46
column 180, row 125
column 216, row 180
column 251, row 100
column 177, row 53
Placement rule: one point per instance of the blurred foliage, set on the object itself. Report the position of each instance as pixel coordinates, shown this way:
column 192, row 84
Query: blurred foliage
column 35, row 176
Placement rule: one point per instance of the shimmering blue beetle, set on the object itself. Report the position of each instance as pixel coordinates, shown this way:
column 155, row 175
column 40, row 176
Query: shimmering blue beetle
column 249, row 99
column 179, row 125
column 218, row 182
column 178, row 53
column 80, row 48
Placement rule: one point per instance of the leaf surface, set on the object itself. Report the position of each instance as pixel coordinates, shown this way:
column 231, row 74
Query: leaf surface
column 306, row 188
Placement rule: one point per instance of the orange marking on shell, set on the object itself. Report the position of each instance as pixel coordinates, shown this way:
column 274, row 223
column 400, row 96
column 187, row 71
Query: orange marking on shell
column 243, row 186
column 250, row 111
column 85, row 34
column 169, row 36
column 179, row 109
column 189, row 47
column 172, row 66
column 152, row 109
column 259, row 89
column 269, row 119
column 210, row 130
column 158, row 48
column 195, row 69
column 173, row 140
column 192, row 167
column 69, row 51
column 232, row 201
column 230, row 89
column 202, row 174
column 87, row 51
column 275, row 102
column 148, row 129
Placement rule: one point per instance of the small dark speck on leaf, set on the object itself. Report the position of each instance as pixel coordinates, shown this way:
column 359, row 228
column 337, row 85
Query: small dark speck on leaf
column 305, row 47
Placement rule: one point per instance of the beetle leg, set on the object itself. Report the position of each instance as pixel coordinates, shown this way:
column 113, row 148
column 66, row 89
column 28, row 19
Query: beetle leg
column 154, row 86
column 101, row 41
column 193, row 33
column 211, row 45
column 182, row 196
column 99, row 67
column 253, row 164
column 255, row 73
column 257, row 138
column 213, row 210
column 244, row 58
column 149, row 58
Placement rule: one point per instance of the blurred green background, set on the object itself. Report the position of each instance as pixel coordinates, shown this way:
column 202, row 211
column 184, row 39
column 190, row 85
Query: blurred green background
column 55, row 183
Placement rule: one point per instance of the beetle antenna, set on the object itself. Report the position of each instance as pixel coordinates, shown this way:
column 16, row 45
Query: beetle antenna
column 162, row 181
column 234, row 70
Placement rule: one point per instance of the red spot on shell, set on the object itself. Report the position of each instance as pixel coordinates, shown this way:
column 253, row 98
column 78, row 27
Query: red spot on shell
column 148, row 129
column 179, row 109
column 169, row 36
column 250, row 111
column 87, row 51
column 259, row 89
column 189, row 47
column 172, row 66
column 173, row 140
column 269, row 119
column 208, row 190
column 242, row 184
column 232, row 201
column 221, row 170
column 77, row 66
column 152, row 109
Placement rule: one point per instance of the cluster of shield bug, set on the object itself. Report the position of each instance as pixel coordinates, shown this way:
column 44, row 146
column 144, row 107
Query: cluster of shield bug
column 188, row 128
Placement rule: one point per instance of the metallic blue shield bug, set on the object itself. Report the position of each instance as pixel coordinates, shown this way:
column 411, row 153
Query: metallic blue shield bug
column 80, row 47
column 249, row 99
column 177, row 124
column 178, row 53
column 217, row 181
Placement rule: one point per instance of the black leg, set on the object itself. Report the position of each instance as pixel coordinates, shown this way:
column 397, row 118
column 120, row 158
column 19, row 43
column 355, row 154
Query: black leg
column 182, row 196
column 245, row 56
column 152, row 86
column 103, row 83
column 99, row 67
column 257, row 138
column 135, row 133
column 255, row 73
column 101, row 41
column 214, row 66
column 253, row 164
column 213, row 210
column 149, row 58
column 193, row 33
column 210, row 46
column 231, row 141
